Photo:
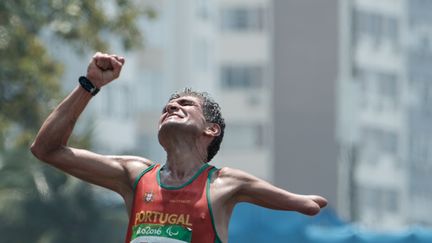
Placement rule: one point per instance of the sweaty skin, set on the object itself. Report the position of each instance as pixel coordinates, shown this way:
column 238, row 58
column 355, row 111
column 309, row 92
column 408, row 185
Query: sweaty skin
column 185, row 136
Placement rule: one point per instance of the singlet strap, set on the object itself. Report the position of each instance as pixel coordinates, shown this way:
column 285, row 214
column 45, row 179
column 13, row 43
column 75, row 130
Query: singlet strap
column 210, row 173
column 141, row 175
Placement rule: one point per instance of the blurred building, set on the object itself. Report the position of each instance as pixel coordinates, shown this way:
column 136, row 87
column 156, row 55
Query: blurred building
column 384, row 110
column 222, row 47
column 276, row 88
column 244, row 84
column 305, row 70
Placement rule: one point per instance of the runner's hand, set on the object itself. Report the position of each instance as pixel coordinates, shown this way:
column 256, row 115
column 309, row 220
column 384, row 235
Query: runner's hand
column 104, row 68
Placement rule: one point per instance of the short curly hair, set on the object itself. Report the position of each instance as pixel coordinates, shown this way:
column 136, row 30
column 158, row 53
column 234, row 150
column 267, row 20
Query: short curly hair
column 212, row 113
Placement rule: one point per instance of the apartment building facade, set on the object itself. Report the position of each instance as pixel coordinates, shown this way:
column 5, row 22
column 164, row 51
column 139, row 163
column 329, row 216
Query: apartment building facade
column 384, row 108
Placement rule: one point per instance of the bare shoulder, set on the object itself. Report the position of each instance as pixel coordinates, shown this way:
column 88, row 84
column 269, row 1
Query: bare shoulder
column 133, row 165
column 234, row 175
column 228, row 186
column 132, row 160
column 234, row 179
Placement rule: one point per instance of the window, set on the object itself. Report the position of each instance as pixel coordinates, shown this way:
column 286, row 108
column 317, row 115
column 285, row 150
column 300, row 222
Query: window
column 376, row 26
column 419, row 149
column 377, row 141
column 384, row 86
column 239, row 76
column 243, row 19
column 389, row 142
column 388, row 90
column 361, row 76
column 387, row 84
column 393, row 31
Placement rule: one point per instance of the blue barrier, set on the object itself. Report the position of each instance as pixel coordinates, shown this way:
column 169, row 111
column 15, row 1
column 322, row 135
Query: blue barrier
column 253, row 224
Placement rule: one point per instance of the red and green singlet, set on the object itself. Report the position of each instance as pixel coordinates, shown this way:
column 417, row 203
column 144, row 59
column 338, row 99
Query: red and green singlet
column 168, row 214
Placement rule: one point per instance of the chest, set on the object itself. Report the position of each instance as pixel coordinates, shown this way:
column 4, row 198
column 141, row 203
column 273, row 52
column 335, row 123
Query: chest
column 172, row 212
column 157, row 202
column 185, row 199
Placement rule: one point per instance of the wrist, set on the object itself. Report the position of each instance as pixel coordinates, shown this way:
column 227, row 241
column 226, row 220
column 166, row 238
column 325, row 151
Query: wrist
column 87, row 85
column 95, row 80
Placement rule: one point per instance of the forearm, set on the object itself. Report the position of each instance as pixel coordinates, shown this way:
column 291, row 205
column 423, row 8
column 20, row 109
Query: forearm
column 57, row 128
column 260, row 192
column 295, row 202
column 269, row 196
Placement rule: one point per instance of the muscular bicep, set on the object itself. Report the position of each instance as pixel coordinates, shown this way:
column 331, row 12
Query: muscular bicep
column 113, row 172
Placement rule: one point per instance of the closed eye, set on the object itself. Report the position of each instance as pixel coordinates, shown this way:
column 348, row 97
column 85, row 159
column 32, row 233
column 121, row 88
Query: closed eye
column 186, row 103
column 181, row 102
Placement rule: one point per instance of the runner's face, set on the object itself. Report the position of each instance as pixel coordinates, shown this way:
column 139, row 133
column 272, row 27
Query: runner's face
column 184, row 111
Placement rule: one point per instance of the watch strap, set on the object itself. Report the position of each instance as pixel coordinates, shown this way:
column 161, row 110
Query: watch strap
column 88, row 85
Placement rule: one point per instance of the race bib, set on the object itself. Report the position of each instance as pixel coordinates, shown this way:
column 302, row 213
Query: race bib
column 155, row 233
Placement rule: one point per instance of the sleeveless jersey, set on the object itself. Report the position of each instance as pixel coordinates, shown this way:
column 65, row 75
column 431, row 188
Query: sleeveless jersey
column 168, row 214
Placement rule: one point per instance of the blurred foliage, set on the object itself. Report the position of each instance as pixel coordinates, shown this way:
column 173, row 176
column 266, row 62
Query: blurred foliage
column 37, row 203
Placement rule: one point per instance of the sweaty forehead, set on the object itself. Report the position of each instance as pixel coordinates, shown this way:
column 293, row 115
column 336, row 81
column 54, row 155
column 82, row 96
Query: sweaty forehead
column 189, row 98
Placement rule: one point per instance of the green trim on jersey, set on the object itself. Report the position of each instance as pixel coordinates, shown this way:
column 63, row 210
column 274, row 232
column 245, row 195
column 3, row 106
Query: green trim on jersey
column 185, row 184
column 217, row 240
column 141, row 175
column 161, row 233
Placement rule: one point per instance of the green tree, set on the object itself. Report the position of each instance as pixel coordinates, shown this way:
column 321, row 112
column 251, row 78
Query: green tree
column 37, row 203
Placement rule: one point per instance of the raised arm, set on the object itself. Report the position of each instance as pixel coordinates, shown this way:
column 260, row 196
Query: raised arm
column 248, row 188
column 50, row 145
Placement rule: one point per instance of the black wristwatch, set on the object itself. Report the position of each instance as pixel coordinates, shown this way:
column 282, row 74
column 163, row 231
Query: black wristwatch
column 87, row 85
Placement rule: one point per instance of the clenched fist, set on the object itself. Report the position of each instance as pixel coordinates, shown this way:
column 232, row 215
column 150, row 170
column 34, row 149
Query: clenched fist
column 104, row 68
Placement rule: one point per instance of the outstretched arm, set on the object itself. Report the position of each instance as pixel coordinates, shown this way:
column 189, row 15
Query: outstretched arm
column 251, row 189
column 51, row 147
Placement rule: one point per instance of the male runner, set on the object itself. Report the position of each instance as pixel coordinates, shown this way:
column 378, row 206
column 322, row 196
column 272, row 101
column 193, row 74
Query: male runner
column 184, row 200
